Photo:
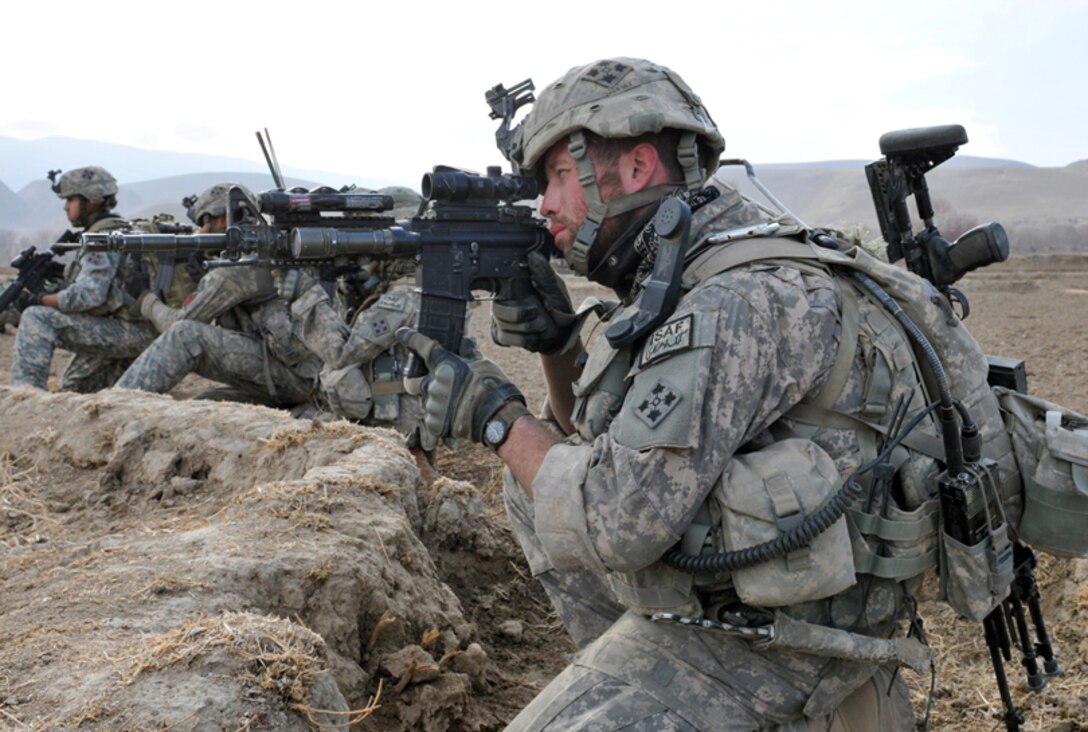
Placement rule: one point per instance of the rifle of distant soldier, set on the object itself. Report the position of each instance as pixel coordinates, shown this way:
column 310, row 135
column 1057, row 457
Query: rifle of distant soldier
column 38, row 269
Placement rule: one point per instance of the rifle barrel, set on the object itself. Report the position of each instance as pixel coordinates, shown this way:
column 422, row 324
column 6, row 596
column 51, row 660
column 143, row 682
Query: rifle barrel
column 154, row 243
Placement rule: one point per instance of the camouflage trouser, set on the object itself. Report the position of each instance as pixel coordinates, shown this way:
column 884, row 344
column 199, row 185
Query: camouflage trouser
column 9, row 317
column 633, row 674
column 87, row 373
column 222, row 355
column 97, row 342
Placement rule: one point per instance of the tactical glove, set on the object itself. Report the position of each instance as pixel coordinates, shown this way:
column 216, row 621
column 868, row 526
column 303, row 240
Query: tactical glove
column 27, row 299
column 459, row 396
column 137, row 280
column 542, row 322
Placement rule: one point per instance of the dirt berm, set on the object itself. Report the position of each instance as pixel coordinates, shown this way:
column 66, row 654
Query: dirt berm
column 196, row 565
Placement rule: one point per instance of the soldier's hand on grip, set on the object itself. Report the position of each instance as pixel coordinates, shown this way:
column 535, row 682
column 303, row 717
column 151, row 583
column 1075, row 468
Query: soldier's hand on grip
column 137, row 280
column 542, row 322
column 27, row 299
column 459, row 396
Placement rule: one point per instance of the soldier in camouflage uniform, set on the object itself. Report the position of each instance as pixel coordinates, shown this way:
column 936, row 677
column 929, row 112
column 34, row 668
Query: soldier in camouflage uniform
column 363, row 362
column 740, row 410
column 255, row 350
column 92, row 316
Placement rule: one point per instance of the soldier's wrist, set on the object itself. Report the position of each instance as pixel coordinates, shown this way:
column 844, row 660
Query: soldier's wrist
column 497, row 429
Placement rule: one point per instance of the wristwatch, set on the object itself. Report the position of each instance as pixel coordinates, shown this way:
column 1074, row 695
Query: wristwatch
column 497, row 428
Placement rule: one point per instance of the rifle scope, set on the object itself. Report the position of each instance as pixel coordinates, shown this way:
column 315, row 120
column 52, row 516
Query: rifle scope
column 456, row 186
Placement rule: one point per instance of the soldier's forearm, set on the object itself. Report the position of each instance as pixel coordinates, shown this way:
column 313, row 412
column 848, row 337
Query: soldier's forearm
column 560, row 371
column 525, row 448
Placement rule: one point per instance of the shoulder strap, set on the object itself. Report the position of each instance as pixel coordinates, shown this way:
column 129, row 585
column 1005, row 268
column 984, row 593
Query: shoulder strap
column 797, row 254
column 745, row 251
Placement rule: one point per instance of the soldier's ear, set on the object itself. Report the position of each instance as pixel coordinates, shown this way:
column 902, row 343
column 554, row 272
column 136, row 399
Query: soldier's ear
column 641, row 167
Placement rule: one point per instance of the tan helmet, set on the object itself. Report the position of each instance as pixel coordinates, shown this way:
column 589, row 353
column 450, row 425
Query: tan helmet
column 212, row 202
column 92, row 182
column 616, row 98
column 620, row 97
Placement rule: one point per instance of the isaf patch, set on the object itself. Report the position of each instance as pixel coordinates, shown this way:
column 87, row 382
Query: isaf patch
column 393, row 301
column 658, row 403
column 669, row 338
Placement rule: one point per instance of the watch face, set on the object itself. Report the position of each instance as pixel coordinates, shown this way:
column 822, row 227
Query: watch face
column 495, row 432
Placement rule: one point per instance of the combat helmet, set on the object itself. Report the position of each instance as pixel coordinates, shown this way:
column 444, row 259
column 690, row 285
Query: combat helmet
column 620, row 97
column 212, row 202
column 92, row 182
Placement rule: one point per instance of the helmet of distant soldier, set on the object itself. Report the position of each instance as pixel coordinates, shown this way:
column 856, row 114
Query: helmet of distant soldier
column 212, row 202
column 620, row 97
column 92, row 182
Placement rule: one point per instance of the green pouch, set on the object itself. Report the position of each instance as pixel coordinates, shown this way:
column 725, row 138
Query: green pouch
column 764, row 494
column 975, row 579
column 1051, row 446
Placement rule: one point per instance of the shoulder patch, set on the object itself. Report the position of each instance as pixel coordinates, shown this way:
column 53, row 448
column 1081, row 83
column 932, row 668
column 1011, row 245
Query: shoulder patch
column 393, row 301
column 670, row 338
column 656, row 404
column 379, row 327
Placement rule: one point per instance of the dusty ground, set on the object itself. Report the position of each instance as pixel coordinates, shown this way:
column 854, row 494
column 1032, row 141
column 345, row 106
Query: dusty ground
column 178, row 565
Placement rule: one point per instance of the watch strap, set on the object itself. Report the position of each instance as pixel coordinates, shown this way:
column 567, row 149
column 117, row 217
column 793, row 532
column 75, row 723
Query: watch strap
column 510, row 413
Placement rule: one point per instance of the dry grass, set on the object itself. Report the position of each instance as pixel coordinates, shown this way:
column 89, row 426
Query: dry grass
column 24, row 513
column 321, row 572
column 384, row 621
column 966, row 698
column 165, row 585
column 285, row 438
column 429, row 637
column 281, row 656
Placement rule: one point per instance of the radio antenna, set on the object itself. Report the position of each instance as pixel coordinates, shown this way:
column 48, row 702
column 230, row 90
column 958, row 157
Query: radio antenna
column 270, row 158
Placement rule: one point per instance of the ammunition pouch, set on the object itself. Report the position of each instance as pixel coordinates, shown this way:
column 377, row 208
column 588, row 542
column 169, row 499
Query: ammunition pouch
column 347, row 392
column 764, row 494
column 1051, row 447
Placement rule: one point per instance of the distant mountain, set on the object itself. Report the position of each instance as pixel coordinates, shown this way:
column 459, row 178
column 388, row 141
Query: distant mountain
column 26, row 161
column 1044, row 209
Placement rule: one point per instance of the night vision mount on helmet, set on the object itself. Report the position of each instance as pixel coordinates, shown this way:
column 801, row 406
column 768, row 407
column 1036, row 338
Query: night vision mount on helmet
column 92, row 182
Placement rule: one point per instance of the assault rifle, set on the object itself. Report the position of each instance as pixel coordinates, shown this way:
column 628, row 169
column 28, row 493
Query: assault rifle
column 38, row 269
column 469, row 235
column 248, row 232
column 908, row 156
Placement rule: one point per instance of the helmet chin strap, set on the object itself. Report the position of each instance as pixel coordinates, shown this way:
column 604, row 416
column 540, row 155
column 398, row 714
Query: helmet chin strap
column 597, row 210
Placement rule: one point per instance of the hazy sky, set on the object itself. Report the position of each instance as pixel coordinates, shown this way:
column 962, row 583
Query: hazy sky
column 388, row 89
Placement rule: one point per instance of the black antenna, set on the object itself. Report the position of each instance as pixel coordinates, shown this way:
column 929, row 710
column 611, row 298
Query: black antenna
column 273, row 163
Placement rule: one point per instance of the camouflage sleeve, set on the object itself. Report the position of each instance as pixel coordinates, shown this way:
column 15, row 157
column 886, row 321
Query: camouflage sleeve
column 739, row 352
column 91, row 287
column 218, row 291
column 372, row 333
